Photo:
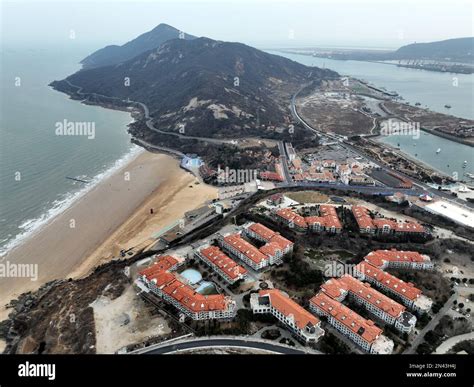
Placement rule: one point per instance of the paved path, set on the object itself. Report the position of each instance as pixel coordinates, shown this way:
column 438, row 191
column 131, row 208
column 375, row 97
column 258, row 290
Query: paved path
column 419, row 338
column 226, row 342
column 452, row 341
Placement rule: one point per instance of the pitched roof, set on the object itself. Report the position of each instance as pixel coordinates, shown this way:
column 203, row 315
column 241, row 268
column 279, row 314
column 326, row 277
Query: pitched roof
column 223, row 262
column 405, row 289
column 350, row 319
column 244, row 247
column 162, row 263
column 378, row 257
column 335, row 287
column 288, row 307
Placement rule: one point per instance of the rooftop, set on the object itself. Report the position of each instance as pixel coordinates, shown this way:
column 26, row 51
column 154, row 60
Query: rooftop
column 405, row 289
column 379, row 257
column 353, row 321
column 289, row 308
column 223, row 262
column 336, row 287
column 244, row 247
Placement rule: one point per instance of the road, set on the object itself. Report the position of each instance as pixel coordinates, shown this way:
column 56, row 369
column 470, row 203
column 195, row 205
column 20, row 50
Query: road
column 284, row 162
column 452, row 341
column 149, row 120
column 227, row 342
column 431, row 325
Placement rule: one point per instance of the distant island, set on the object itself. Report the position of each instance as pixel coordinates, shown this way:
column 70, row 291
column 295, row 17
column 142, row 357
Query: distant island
column 452, row 55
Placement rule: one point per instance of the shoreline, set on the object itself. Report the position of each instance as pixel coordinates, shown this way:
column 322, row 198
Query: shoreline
column 113, row 212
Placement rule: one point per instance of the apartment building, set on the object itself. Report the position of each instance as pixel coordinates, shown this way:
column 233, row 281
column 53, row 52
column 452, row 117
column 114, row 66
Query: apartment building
column 162, row 263
column 222, row 264
column 393, row 258
column 381, row 306
column 184, row 298
column 409, row 295
column 264, row 234
column 327, row 220
column 291, row 219
column 361, row 331
column 298, row 320
column 383, row 226
column 239, row 248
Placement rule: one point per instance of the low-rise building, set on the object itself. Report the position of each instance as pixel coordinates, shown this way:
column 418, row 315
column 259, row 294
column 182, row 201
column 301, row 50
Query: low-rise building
column 275, row 199
column 326, row 221
column 162, row 263
column 409, row 295
column 369, row 225
column 172, row 289
column 381, row 306
column 298, row 320
column 238, row 247
column 293, row 220
column 399, row 259
column 361, row 331
column 223, row 265
column 264, row 234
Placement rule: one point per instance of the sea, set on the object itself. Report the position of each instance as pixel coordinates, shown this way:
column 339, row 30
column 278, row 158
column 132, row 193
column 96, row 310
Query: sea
column 37, row 158
column 36, row 155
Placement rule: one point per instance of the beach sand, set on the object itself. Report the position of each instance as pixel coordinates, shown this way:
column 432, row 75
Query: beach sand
column 115, row 214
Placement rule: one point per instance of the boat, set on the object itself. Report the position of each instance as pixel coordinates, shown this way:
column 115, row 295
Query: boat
column 438, row 150
column 447, row 106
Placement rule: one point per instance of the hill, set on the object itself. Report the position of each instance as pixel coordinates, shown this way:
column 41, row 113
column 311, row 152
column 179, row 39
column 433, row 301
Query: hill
column 116, row 54
column 205, row 88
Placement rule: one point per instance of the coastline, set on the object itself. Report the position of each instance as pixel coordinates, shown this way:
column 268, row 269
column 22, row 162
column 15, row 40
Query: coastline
column 112, row 213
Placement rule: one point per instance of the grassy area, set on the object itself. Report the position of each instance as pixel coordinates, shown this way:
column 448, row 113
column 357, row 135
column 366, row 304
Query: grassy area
column 321, row 254
column 308, row 196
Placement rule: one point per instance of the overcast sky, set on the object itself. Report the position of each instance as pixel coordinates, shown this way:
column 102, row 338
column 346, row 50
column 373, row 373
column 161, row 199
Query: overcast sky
column 262, row 23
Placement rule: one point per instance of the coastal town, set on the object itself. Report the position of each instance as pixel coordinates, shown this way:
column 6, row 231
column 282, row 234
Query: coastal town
column 229, row 191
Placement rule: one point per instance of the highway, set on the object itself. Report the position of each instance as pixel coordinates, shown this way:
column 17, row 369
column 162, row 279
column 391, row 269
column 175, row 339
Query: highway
column 225, row 342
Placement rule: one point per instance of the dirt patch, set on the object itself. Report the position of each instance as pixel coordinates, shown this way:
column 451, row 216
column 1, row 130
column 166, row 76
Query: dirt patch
column 308, row 197
column 123, row 321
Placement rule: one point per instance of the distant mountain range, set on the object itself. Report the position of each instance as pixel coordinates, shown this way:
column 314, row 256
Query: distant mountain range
column 453, row 50
column 116, row 54
column 199, row 86
column 456, row 50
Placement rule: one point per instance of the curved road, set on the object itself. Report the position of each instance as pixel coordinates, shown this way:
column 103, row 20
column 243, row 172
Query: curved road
column 148, row 119
column 226, row 343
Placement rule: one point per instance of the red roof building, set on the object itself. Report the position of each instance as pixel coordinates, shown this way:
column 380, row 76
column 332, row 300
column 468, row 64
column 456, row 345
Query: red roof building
column 226, row 267
column 301, row 322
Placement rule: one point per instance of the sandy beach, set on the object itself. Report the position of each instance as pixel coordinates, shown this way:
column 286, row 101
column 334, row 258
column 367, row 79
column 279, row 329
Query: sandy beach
column 115, row 214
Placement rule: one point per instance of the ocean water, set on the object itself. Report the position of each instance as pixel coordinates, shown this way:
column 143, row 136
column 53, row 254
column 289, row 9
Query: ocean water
column 432, row 90
column 34, row 159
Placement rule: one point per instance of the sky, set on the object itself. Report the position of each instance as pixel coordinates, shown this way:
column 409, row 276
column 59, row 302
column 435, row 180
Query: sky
column 261, row 23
